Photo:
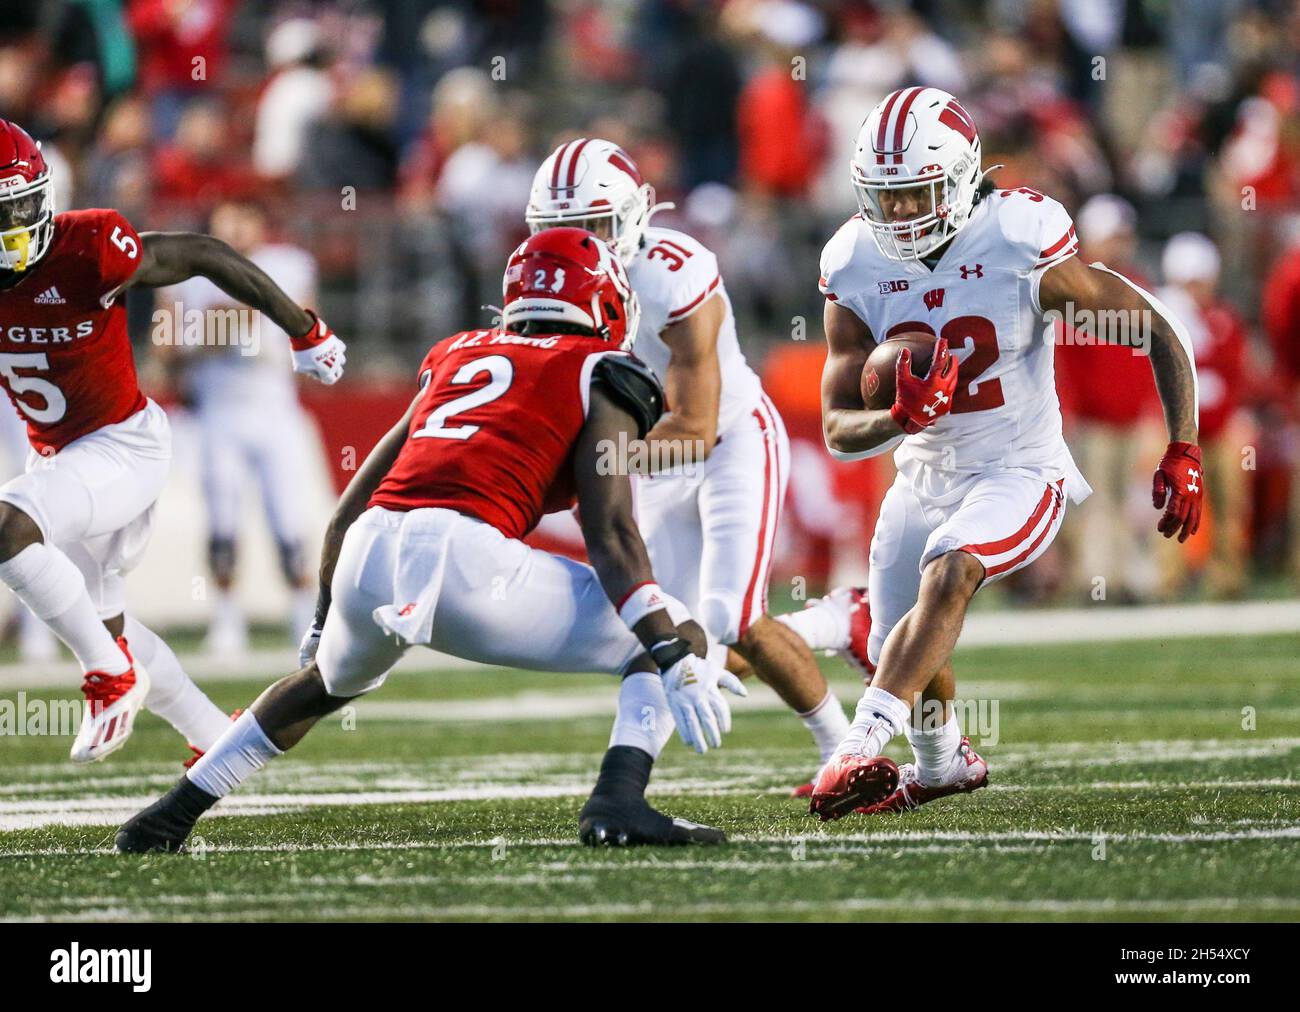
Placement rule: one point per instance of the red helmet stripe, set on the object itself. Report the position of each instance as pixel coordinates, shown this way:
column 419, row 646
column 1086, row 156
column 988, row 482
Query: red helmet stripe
column 573, row 165
column 559, row 162
column 901, row 121
column 884, row 122
column 619, row 159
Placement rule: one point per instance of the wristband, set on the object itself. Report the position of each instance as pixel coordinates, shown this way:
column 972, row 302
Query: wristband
column 640, row 601
column 312, row 337
column 666, row 653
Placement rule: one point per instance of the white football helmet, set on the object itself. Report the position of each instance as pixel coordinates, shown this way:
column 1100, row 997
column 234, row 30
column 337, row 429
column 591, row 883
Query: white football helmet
column 587, row 181
column 917, row 137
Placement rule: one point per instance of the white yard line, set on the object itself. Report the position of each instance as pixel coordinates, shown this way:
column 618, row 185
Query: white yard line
column 1001, row 628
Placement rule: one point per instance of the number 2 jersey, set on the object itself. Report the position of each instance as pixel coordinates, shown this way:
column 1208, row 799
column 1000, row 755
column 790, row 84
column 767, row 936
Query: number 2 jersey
column 492, row 436
column 983, row 297
column 65, row 357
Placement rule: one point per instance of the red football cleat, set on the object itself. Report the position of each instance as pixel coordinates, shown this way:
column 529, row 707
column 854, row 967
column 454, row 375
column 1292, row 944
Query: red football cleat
column 854, row 601
column 911, row 793
column 849, row 782
column 112, row 702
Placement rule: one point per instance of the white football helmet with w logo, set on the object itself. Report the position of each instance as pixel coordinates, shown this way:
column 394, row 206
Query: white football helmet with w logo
column 592, row 183
column 917, row 137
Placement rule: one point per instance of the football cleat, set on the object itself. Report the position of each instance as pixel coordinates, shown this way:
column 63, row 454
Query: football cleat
column 607, row 822
column 112, row 701
column 802, row 791
column 911, row 793
column 853, row 600
column 166, row 824
column 850, row 782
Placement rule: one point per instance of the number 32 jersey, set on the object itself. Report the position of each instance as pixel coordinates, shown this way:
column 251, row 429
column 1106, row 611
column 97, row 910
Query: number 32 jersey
column 493, row 433
column 983, row 297
column 65, row 357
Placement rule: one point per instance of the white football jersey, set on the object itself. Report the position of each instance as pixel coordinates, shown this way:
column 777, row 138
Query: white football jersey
column 230, row 375
column 983, row 297
column 674, row 275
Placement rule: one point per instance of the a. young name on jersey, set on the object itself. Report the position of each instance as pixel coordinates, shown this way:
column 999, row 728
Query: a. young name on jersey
column 46, row 335
column 476, row 339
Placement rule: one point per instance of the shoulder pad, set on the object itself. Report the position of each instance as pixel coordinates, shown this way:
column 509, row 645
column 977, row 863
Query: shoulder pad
column 633, row 386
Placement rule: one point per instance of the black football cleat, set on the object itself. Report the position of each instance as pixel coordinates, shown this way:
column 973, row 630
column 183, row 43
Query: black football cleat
column 609, row 822
column 166, row 824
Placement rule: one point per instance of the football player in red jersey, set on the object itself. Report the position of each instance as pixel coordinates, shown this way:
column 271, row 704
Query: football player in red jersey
column 425, row 548
column 77, row 520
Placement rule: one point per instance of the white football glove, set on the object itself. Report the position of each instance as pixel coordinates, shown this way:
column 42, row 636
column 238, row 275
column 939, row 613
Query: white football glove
column 693, row 686
column 307, row 648
column 319, row 353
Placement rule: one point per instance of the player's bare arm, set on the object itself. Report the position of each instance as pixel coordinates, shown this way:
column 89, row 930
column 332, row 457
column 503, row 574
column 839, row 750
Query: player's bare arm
column 1074, row 284
column 1085, row 293
column 693, row 385
column 847, row 425
column 614, row 545
column 168, row 258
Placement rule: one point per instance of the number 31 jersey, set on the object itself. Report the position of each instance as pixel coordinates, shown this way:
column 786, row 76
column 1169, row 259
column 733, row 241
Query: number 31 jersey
column 983, row 297
column 495, row 426
column 65, row 357
column 673, row 276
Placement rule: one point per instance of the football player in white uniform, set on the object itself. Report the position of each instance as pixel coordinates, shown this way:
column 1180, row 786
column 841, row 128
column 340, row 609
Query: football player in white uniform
column 250, row 421
column 983, row 470
column 709, row 514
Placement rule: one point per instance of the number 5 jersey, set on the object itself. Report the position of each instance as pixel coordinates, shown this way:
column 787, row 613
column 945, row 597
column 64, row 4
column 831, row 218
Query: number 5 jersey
column 65, row 357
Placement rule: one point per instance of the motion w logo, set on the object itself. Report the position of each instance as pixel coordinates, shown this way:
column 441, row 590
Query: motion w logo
column 933, row 299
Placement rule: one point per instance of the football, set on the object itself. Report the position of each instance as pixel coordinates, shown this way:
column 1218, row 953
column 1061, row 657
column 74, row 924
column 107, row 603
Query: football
column 880, row 371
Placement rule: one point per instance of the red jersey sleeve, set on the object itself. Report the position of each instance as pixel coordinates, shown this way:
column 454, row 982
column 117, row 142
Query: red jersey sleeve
column 117, row 250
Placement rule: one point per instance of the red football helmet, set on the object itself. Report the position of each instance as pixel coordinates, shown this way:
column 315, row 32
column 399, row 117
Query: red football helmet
column 570, row 275
column 26, row 199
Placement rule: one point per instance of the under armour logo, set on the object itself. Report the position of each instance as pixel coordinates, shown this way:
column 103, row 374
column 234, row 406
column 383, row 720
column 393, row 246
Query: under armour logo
column 972, row 272
column 933, row 409
column 1192, row 475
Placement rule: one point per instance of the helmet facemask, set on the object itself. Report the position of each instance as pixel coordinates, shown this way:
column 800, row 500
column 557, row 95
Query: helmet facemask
column 950, row 201
column 26, row 221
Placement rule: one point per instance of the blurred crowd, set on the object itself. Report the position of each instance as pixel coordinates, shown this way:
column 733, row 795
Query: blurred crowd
column 396, row 140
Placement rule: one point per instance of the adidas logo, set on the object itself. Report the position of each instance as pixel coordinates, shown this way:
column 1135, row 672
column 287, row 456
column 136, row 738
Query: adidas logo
column 50, row 297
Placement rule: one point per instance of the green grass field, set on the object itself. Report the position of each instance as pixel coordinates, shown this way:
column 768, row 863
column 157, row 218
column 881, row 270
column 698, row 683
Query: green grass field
column 1129, row 782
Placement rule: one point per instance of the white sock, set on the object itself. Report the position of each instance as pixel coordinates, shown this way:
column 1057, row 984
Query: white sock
column 827, row 723
column 879, row 717
column 45, row 580
column 172, row 695
column 821, row 625
column 239, row 753
column 936, row 750
column 644, row 720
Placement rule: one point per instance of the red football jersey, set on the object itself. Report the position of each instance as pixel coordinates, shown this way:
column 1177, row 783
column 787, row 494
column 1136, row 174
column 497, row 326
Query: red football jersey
column 495, row 427
column 65, row 358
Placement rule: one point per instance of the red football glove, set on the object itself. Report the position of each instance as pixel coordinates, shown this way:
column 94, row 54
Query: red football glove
column 1178, row 489
column 920, row 402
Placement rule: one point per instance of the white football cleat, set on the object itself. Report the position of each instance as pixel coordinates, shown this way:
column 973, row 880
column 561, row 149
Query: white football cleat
column 112, row 701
